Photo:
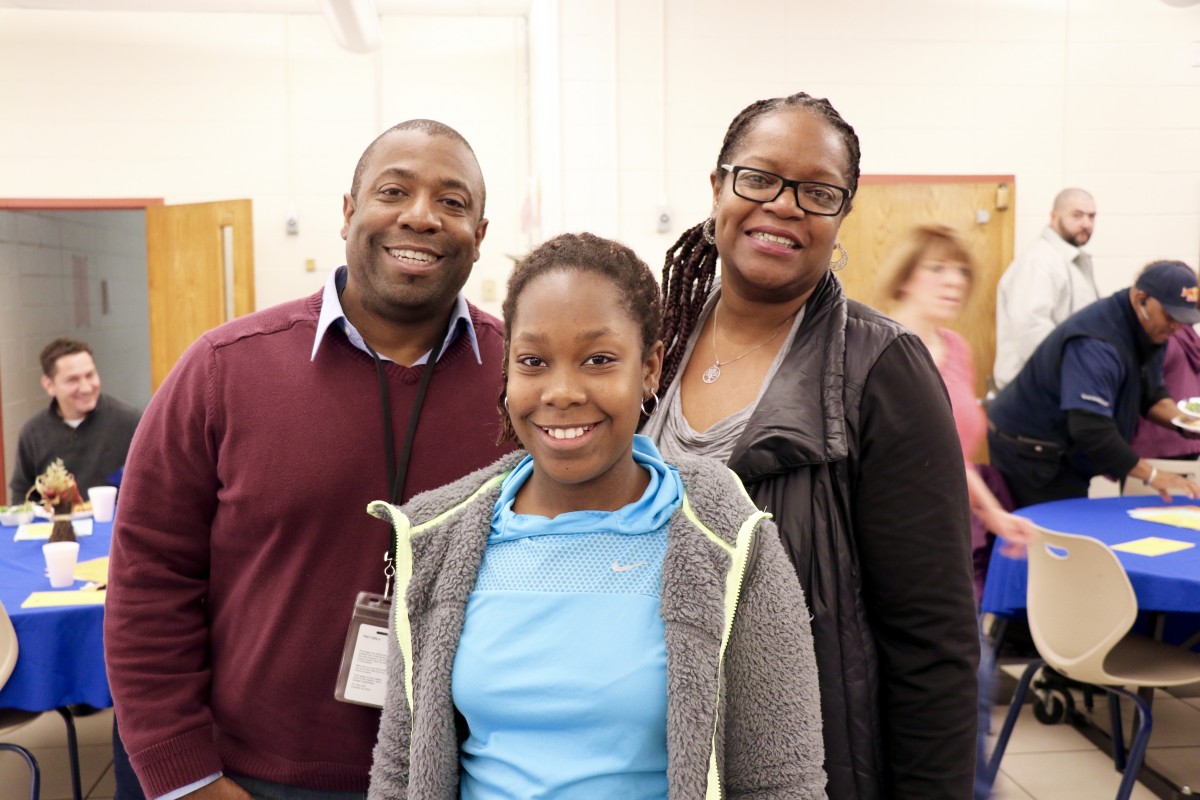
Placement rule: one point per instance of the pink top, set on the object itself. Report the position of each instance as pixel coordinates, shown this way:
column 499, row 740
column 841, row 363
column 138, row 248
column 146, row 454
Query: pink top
column 958, row 373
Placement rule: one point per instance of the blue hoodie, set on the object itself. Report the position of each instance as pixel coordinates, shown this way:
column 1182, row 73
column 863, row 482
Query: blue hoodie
column 560, row 670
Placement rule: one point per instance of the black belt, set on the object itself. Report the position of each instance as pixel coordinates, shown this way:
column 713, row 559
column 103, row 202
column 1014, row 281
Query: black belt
column 1027, row 443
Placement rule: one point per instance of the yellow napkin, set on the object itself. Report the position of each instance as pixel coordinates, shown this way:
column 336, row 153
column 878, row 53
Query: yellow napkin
column 1152, row 546
column 42, row 530
column 95, row 570
column 1179, row 516
column 77, row 597
column 34, row 530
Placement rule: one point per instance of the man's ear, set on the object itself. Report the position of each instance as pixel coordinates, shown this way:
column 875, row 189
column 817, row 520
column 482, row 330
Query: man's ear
column 347, row 213
column 480, row 232
column 48, row 385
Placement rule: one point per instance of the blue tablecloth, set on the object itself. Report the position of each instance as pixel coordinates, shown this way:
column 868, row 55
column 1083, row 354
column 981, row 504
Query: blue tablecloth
column 61, row 658
column 1167, row 583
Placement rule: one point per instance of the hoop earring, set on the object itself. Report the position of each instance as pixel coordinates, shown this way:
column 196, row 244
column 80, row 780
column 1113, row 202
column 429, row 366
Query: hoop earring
column 654, row 396
column 708, row 230
column 506, row 401
column 841, row 262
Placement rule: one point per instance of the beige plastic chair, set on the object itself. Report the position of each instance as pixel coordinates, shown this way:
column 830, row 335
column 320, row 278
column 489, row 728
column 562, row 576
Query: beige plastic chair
column 1135, row 486
column 1081, row 607
column 10, row 718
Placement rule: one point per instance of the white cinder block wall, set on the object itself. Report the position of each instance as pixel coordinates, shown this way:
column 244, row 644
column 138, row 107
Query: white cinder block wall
column 1103, row 94
column 191, row 107
column 607, row 109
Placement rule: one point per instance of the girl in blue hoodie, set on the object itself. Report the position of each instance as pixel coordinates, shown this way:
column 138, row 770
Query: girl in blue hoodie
column 583, row 620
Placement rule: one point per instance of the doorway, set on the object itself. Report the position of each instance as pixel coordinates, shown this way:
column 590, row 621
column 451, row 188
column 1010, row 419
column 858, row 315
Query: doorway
column 981, row 208
column 137, row 280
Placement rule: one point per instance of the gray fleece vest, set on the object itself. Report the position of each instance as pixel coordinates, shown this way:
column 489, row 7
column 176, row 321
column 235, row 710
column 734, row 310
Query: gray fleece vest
column 743, row 710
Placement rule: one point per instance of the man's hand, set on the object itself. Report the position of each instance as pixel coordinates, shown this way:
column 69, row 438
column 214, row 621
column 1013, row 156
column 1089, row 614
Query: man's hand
column 1163, row 414
column 221, row 789
column 1166, row 482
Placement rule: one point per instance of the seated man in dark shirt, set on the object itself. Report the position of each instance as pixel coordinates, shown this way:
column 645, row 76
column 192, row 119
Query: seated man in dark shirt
column 90, row 432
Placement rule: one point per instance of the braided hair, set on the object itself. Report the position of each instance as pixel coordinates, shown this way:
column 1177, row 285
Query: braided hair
column 583, row 252
column 691, row 263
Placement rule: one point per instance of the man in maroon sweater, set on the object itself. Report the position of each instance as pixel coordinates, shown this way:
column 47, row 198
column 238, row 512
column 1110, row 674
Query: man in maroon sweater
column 242, row 538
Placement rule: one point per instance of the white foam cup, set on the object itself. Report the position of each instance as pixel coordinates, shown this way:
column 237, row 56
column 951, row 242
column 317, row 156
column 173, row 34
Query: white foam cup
column 60, row 562
column 104, row 502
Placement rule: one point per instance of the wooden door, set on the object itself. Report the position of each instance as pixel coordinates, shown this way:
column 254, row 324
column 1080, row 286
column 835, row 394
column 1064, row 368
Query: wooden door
column 200, row 259
column 980, row 207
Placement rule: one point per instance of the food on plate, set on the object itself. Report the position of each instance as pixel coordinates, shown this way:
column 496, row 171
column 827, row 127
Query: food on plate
column 18, row 514
column 1190, row 406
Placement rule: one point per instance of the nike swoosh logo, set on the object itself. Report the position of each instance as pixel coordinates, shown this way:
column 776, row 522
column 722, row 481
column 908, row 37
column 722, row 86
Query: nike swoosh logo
column 626, row 567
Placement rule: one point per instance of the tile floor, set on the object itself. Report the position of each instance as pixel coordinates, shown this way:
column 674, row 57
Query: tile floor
column 1057, row 762
column 46, row 737
column 1043, row 762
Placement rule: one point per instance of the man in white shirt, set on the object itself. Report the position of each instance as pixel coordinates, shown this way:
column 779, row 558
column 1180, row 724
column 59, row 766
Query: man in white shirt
column 1045, row 284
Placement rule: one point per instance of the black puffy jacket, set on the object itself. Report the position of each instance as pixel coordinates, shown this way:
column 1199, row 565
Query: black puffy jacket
column 853, row 449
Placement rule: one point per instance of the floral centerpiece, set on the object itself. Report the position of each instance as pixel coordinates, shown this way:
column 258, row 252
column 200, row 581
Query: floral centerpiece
column 58, row 494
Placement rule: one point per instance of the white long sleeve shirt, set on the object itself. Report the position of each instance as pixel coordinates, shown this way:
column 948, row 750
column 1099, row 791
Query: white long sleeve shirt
column 1045, row 284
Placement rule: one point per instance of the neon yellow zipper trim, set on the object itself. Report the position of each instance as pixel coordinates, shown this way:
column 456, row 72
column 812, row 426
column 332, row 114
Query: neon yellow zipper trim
column 740, row 552
column 405, row 531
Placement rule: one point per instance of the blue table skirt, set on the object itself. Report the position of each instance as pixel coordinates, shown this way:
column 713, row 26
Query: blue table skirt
column 1166, row 583
column 61, row 657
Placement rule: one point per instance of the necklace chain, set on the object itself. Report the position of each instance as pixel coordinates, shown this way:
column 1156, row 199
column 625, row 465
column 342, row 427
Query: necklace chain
column 713, row 373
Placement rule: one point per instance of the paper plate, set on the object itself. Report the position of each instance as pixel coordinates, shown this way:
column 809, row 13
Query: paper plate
column 1190, row 407
column 1189, row 424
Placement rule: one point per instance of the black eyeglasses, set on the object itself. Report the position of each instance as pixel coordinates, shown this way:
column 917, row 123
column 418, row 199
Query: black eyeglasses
column 814, row 197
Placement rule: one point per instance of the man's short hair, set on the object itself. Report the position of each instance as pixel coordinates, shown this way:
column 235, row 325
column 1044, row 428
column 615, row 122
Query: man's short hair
column 62, row 346
column 429, row 127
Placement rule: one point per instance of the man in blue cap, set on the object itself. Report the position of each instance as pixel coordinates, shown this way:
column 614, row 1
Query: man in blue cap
column 1071, row 411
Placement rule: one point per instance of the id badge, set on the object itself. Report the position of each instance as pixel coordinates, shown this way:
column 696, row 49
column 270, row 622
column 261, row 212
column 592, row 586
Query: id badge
column 362, row 677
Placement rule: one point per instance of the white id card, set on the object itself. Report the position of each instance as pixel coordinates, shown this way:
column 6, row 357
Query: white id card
column 362, row 679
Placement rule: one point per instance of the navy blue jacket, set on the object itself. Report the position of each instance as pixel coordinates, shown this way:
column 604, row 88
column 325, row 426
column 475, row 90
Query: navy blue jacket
column 1031, row 405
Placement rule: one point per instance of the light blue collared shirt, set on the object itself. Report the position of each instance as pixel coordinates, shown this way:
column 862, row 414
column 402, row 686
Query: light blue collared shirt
column 332, row 312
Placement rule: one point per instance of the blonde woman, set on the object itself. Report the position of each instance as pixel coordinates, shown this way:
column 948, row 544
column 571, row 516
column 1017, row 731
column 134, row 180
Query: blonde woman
column 926, row 283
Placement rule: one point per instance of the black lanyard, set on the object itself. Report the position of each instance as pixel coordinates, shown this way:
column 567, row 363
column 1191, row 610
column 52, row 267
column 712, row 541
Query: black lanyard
column 398, row 470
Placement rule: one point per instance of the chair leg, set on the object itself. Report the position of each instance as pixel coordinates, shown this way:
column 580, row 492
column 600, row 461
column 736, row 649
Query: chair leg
column 72, row 752
column 1142, row 726
column 1116, row 731
column 35, row 774
column 1010, row 721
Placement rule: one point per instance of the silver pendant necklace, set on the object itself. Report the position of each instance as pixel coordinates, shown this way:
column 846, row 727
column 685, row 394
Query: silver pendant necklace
column 713, row 373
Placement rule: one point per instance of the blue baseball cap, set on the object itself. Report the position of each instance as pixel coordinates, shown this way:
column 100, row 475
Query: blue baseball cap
column 1173, row 284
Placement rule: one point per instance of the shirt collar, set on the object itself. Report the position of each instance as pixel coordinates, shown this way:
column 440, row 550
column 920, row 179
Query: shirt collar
column 1060, row 244
column 56, row 411
column 331, row 313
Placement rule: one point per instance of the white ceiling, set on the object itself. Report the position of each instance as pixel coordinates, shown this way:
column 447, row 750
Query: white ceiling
column 412, row 7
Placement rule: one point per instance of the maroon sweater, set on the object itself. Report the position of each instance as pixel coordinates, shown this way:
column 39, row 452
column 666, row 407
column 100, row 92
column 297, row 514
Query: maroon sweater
column 242, row 540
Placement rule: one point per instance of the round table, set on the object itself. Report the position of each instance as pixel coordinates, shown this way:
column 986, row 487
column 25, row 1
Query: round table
column 61, row 657
column 1163, row 584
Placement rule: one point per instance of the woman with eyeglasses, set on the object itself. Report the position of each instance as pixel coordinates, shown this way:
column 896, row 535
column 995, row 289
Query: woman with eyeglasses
column 835, row 419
